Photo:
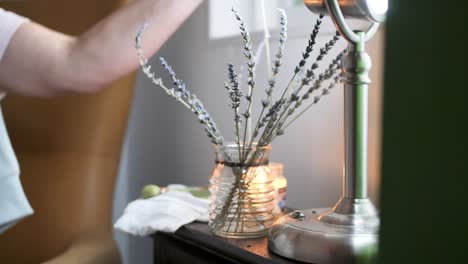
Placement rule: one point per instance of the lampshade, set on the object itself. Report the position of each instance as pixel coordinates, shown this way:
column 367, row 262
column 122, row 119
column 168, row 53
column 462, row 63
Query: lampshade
column 370, row 10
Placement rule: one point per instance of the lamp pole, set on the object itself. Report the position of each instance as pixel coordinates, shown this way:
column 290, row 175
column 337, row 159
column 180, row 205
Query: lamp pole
column 356, row 66
column 354, row 208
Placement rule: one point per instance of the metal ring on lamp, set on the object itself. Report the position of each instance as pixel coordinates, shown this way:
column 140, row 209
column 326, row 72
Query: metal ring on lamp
column 340, row 23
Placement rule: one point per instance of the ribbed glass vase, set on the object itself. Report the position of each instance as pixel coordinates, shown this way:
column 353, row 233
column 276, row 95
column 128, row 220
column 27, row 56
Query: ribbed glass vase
column 242, row 192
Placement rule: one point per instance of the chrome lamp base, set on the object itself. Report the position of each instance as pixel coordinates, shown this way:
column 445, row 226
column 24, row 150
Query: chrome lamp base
column 348, row 233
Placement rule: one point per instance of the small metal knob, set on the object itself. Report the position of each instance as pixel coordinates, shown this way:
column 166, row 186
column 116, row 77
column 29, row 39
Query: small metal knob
column 296, row 214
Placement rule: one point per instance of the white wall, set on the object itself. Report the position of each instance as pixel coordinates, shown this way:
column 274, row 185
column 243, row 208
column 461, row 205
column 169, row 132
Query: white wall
column 165, row 144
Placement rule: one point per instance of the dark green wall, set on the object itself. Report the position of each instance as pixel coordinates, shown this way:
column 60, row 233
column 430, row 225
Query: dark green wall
column 424, row 188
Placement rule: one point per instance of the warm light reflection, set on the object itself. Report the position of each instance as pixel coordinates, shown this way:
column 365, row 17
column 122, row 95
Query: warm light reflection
column 320, row 3
column 259, row 175
column 280, row 183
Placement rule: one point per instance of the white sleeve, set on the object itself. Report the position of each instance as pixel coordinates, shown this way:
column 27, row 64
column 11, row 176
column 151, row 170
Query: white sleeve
column 9, row 23
column 13, row 202
column 14, row 205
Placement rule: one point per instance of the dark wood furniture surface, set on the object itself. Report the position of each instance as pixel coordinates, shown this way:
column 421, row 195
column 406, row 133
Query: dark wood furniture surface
column 195, row 244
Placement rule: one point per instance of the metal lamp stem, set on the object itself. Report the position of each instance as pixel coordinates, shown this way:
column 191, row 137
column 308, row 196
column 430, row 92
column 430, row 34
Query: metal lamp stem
column 356, row 66
column 354, row 209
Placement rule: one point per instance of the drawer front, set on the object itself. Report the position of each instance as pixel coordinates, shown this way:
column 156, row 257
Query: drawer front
column 169, row 250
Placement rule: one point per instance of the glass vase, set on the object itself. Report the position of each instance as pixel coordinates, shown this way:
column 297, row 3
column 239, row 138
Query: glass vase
column 242, row 191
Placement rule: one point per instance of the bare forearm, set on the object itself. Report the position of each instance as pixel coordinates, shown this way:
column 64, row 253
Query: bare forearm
column 107, row 51
column 41, row 62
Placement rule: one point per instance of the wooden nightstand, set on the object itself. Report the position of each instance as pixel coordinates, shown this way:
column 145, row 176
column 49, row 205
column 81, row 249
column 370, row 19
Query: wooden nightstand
column 195, row 244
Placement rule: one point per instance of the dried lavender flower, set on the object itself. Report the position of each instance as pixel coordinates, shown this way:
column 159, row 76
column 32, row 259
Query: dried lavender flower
column 276, row 65
column 269, row 119
column 273, row 116
column 282, row 43
column 233, row 87
column 310, row 73
column 328, row 46
column 330, row 73
column 257, row 55
column 147, row 68
column 294, row 96
column 248, row 53
column 310, row 45
column 196, row 106
column 325, row 91
column 333, row 67
column 235, row 95
column 279, row 54
column 180, row 93
column 273, row 110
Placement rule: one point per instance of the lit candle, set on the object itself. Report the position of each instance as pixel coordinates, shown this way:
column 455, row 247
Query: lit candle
column 280, row 183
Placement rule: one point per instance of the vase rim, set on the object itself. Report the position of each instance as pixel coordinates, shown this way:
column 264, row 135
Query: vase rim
column 234, row 145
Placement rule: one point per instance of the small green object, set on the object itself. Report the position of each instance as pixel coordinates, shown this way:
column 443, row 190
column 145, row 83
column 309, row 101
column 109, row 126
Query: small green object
column 199, row 192
column 150, row 191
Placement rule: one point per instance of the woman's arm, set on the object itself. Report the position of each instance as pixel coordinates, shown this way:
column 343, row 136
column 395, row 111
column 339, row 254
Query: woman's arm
column 43, row 62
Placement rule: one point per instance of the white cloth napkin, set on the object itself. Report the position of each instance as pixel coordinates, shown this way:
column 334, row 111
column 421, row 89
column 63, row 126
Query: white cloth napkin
column 166, row 212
